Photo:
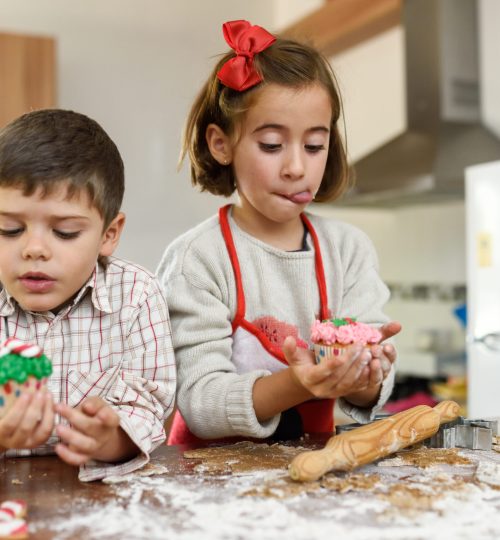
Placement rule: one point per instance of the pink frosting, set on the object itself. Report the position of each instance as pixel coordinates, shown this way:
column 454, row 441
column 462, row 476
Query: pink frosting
column 328, row 334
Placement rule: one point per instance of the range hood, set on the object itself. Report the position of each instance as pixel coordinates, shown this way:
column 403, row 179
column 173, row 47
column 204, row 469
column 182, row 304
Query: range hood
column 445, row 133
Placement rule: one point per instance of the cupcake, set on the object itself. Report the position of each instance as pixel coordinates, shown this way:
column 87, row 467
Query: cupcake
column 331, row 337
column 23, row 367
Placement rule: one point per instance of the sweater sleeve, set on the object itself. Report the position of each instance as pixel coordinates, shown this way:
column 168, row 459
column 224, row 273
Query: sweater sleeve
column 214, row 400
column 364, row 297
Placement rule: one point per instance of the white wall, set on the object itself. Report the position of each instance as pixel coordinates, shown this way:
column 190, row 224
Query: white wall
column 135, row 67
column 289, row 11
column 372, row 84
column 415, row 244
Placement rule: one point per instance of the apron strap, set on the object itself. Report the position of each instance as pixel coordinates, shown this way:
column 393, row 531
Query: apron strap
column 320, row 271
column 231, row 249
column 233, row 256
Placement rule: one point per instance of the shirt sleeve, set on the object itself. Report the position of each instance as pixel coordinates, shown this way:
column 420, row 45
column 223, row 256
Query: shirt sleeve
column 142, row 389
column 214, row 399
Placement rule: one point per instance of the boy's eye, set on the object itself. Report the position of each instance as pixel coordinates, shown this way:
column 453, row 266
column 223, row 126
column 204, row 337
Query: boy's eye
column 266, row 147
column 313, row 148
column 66, row 235
column 10, row 232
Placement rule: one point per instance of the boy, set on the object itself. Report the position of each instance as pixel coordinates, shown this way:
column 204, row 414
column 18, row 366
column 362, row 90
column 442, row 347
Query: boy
column 102, row 321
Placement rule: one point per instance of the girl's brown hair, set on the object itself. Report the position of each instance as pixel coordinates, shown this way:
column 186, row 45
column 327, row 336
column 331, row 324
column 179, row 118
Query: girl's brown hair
column 287, row 63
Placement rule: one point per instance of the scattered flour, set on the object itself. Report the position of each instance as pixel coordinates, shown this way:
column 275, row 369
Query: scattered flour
column 193, row 507
column 489, row 473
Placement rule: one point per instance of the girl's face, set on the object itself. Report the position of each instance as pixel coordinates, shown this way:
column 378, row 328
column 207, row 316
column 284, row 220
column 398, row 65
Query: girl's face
column 280, row 157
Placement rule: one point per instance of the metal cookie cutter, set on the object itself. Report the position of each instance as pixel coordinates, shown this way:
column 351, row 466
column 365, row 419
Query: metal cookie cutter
column 474, row 434
column 342, row 428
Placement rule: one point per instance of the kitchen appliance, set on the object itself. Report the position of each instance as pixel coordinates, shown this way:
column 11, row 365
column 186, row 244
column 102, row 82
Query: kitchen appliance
column 482, row 206
column 445, row 132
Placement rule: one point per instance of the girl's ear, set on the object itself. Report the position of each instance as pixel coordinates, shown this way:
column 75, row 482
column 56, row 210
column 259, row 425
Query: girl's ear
column 219, row 144
column 111, row 235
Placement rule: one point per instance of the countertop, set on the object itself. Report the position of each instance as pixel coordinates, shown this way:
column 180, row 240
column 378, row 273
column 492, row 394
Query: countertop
column 243, row 492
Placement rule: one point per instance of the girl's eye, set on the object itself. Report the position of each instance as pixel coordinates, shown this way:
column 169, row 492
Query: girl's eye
column 67, row 235
column 10, row 232
column 269, row 147
column 314, row 148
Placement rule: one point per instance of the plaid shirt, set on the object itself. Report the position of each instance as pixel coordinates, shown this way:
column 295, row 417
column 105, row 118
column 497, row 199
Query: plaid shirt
column 112, row 341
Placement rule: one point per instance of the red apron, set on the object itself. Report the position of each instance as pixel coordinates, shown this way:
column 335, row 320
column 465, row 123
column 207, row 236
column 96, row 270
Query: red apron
column 252, row 348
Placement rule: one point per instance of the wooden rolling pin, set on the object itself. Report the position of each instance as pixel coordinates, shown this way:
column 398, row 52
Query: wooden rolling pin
column 373, row 441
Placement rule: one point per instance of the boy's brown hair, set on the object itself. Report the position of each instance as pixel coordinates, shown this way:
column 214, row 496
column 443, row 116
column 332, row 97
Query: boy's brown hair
column 40, row 149
column 287, row 63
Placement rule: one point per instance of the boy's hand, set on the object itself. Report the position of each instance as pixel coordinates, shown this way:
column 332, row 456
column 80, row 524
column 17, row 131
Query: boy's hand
column 94, row 433
column 333, row 377
column 29, row 421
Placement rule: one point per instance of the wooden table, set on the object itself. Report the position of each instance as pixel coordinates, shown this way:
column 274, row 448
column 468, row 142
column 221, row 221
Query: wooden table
column 184, row 503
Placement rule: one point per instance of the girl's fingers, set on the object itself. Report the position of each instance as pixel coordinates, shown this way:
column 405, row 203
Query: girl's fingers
column 354, row 370
column 352, row 358
column 376, row 374
column 354, row 381
column 390, row 329
column 386, row 366
column 352, row 377
column 386, row 356
column 297, row 356
column 390, row 352
column 333, row 378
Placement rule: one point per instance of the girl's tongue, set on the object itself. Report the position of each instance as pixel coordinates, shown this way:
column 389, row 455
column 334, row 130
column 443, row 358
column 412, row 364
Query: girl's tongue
column 303, row 197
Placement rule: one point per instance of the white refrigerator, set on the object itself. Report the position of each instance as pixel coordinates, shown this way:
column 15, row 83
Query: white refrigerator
column 482, row 215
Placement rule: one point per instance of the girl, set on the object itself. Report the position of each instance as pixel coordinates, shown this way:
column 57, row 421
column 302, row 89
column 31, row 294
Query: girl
column 244, row 287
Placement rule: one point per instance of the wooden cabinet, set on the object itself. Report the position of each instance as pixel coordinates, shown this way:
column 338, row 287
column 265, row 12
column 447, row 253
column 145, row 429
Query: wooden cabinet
column 27, row 75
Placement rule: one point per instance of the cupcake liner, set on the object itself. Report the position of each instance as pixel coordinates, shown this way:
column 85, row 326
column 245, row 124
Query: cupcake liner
column 323, row 352
column 336, row 350
column 11, row 390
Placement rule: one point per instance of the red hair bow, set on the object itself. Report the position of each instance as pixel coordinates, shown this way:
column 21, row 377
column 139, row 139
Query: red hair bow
column 246, row 40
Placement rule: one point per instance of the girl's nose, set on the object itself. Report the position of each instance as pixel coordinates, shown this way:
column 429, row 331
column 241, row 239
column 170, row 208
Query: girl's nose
column 36, row 248
column 293, row 167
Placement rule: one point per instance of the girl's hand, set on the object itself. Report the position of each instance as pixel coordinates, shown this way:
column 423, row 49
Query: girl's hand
column 29, row 421
column 383, row 357
column 357, row 376
column 389, row 330
column 94, row 433
column 333, row 377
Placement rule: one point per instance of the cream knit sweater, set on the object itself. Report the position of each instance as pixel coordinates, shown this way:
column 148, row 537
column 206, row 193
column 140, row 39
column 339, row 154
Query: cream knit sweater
column 198, row 279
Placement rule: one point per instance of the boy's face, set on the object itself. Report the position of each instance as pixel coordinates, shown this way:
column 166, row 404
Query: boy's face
column 49, row 246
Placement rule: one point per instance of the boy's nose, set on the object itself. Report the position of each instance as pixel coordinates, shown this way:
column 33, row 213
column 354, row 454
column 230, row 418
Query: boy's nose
column 36, row 248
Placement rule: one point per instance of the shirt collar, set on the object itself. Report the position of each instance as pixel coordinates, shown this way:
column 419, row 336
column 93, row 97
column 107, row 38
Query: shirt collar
column 6, row 303
column 96, row 282
column 100, row 293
